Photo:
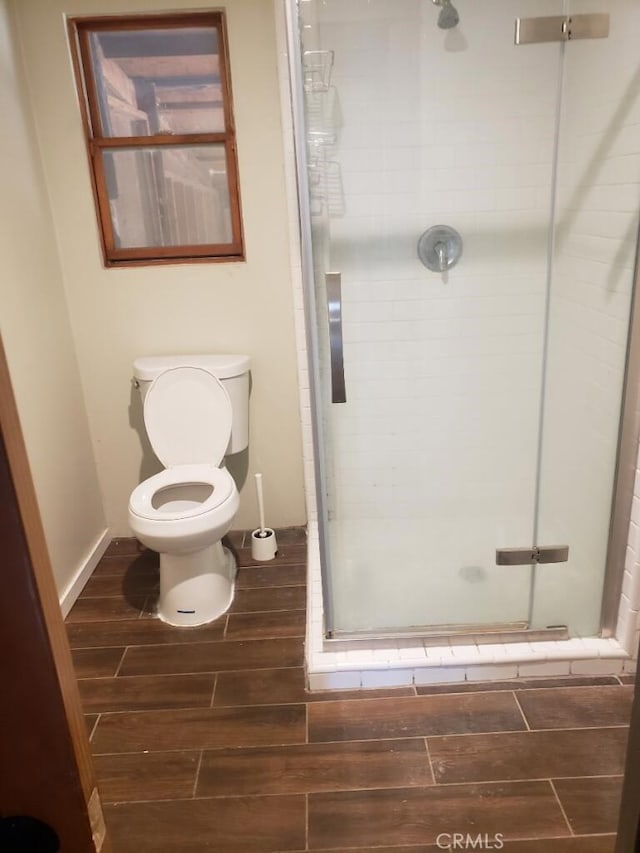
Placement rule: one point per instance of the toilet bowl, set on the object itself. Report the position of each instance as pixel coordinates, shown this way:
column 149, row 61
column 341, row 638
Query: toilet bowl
column 184, row 511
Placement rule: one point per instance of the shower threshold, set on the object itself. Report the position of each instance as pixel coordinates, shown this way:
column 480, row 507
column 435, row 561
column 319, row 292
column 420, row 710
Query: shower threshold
column 448, row 635
column 450, row 654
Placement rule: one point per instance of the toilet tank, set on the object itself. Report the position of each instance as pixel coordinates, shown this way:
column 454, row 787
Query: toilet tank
column 231, row 370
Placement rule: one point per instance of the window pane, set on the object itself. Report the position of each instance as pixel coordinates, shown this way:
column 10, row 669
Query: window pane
column 158, row 81
column 169, row 196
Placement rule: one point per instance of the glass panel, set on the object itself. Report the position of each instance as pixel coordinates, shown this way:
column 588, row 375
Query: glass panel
column 593, row 267
column 158, row 81
column 173, row 196
column 432, row 462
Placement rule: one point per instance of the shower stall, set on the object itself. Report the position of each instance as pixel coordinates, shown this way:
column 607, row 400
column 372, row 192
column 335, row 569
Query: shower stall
column 469, row 190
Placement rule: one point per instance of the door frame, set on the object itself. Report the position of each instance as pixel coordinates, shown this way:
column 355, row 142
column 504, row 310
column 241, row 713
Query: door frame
column 43, row 737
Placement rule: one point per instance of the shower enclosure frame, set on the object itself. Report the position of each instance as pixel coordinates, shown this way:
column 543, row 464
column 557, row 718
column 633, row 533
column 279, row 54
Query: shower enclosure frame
column 626, row 465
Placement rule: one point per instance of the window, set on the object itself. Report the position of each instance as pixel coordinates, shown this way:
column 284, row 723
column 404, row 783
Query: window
column 156, row 105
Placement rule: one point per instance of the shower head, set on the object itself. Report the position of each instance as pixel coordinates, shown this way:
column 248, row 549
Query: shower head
column 448, row 16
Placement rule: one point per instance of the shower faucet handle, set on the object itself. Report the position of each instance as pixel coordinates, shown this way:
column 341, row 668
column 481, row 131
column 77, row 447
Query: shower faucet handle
column 440, row 248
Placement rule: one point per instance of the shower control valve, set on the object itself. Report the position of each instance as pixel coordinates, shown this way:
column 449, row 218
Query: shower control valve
column 440, row 248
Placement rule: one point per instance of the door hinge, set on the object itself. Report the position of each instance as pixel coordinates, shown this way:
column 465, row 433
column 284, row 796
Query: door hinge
column 535, row 554
column 562, row 28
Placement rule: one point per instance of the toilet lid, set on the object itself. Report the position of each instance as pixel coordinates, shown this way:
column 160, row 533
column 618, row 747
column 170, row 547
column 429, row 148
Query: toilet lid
column 187, row 414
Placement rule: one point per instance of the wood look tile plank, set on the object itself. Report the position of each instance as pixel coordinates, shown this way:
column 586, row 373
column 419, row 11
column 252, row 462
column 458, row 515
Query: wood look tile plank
column 414, row 716
column 125, row 546
column 146, row 776
column 289, row 554
column 517, row 684
column 212, row 657
column 296, row 535
column 146, row 692
column 285, row 536
column 591, row 805
column 140, row 632
column 90, row 722
column 267, row 576
column 575, row 707
column 204, row 728
column 236, row 538
column 585, row 844
column 139, row 584
column 252, row 626
column 528, row 755
column 128, row 564
column 281, row 686
column 314, row 767
column 225, row 825
column 96, row 663
column 106, row 609
column 597, row 844
column 419, row 815
column 269, row 598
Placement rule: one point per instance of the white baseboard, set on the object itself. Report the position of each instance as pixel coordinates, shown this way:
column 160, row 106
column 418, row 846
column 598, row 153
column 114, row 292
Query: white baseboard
column 85, row 570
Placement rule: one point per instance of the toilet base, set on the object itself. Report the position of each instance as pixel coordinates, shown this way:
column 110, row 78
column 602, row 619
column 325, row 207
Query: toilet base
column 196, row 588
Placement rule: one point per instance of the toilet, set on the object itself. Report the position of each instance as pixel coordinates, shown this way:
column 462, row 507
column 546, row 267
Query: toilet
column 196, row 412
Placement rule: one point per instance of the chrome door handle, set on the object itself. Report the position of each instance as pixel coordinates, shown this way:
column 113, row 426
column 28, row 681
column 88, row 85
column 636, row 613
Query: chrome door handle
column 333, row 282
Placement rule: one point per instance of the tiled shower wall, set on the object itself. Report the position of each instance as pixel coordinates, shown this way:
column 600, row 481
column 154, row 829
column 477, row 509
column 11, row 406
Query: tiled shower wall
column 595, row 245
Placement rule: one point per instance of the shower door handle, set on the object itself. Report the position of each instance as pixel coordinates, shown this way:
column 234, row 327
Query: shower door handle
column 333, row 282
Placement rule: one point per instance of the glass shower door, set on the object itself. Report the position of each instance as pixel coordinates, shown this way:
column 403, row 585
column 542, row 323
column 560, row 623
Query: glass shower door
column 437, row 457
column 594, row 252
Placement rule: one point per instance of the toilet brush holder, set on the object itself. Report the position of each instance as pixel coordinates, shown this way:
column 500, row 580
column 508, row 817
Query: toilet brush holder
column 263, row 544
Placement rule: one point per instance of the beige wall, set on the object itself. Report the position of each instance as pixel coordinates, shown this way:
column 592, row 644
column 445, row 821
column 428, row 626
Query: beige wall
column 37, row 338
column 234, row 307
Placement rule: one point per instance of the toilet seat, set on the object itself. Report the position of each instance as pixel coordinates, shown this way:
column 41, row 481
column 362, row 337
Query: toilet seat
column 187, row 415
column 221, row 482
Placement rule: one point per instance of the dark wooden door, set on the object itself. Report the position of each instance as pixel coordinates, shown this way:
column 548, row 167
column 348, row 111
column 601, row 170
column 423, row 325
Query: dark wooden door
column 45, row 761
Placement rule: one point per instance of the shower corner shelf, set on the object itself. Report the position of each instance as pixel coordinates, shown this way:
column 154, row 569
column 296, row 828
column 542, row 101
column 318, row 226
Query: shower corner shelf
column 317, row 66
column 325, row 184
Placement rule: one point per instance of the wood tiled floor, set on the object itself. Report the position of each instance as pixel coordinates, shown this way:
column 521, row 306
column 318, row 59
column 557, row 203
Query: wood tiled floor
column 205, row 739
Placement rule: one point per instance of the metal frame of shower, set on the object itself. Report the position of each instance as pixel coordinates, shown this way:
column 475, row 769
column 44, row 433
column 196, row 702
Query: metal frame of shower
column 629, row 430
column 308, row 286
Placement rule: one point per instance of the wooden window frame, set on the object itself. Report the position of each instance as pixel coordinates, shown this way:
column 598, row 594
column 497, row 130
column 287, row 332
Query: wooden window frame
column 79, row 31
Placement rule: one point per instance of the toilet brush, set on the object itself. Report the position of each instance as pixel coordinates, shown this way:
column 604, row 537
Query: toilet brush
column 263, row 540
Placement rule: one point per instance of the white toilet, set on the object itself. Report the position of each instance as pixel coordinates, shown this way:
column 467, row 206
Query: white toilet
column 196, row 411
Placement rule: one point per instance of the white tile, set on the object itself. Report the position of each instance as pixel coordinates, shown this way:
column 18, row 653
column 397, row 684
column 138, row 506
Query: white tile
column 626, row 628
column 634, row 587
column 415, row 654
column 492, row 672
column 612, row 648
column 438, row 655
column 334, row 680
column 627, row 578
column 544, row 668
column 465, row 655
column 493, row 652
column 362, row 657
column 315, row 642
column 519, row 651
column 634, row 533
column 386, row 656
column 387, row 678
column 546, row 648
column 574, row 649
column 439, row 675
column 597, row 666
